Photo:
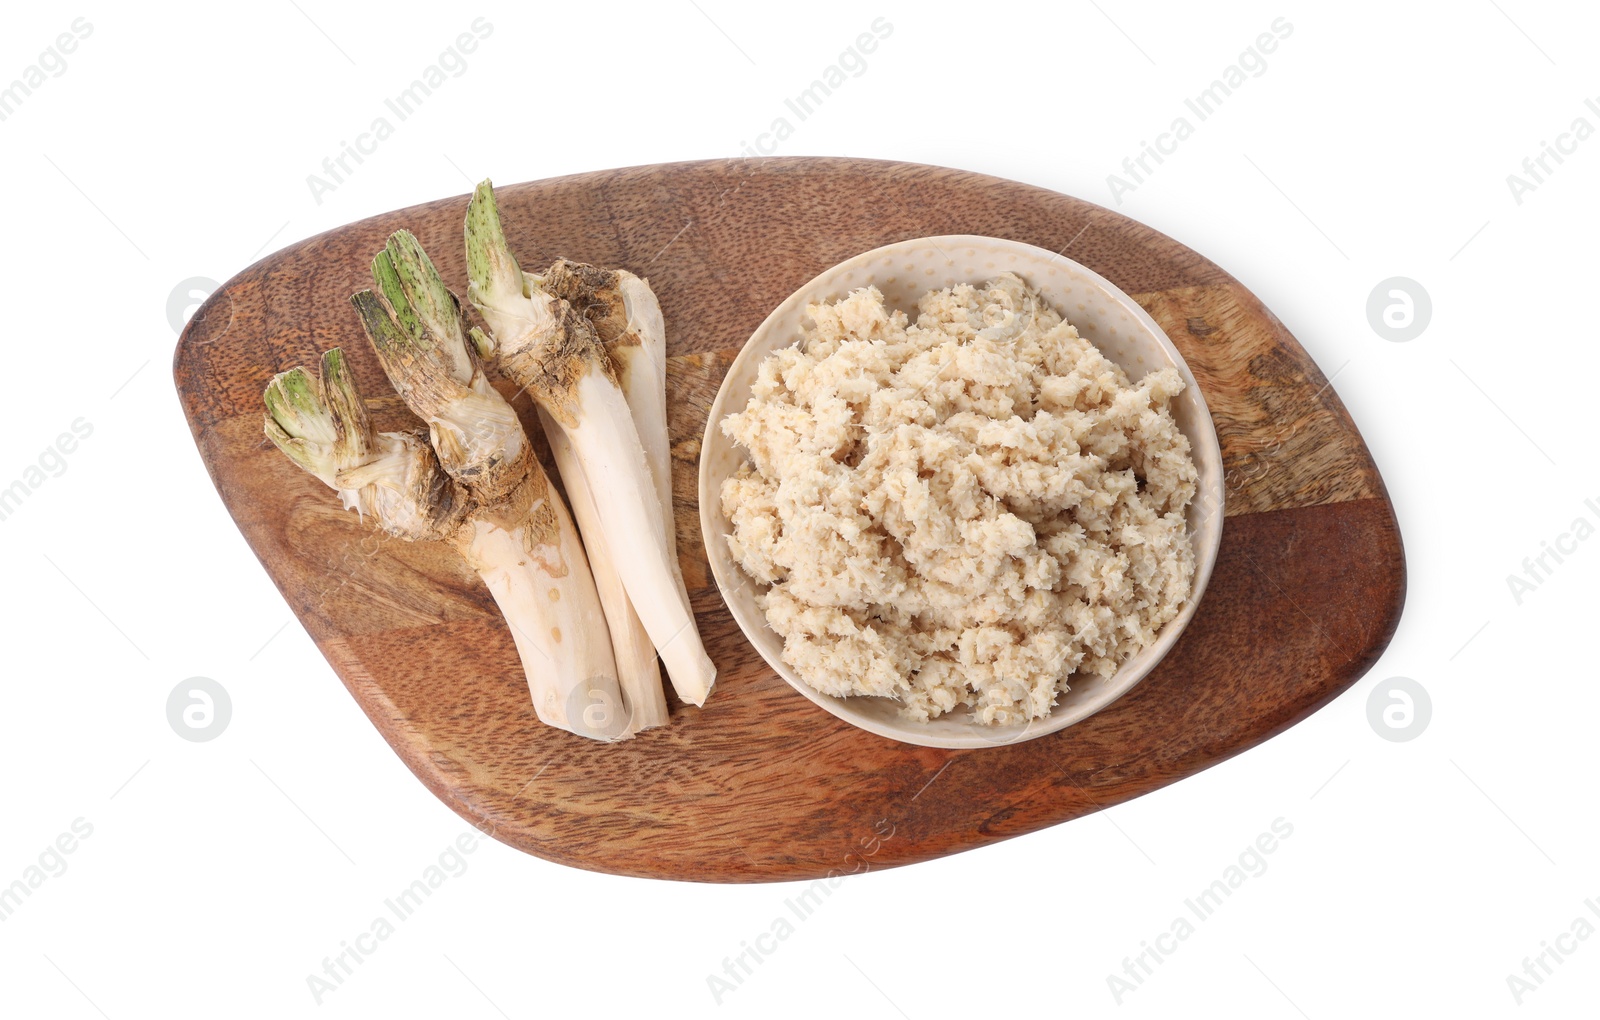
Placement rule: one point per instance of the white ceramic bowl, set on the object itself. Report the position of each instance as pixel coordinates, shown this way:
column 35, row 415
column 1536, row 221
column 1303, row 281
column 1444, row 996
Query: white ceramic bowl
column 904, row 271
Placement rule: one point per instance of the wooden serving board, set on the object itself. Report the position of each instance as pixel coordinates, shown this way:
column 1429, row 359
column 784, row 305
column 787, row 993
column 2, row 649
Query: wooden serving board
column 760, row 784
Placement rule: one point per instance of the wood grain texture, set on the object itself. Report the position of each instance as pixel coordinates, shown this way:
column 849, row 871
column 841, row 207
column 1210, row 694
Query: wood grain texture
column 760, row 784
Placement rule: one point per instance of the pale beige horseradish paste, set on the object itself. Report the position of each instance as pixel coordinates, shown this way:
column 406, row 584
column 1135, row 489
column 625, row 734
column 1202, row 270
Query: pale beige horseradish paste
column 968, row 510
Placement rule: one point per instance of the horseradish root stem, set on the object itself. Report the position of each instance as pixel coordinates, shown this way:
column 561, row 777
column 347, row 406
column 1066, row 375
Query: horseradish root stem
column 545, row 345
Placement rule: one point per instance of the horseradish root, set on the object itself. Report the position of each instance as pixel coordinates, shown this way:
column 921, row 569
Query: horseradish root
column 545, row 345
column 471, row 480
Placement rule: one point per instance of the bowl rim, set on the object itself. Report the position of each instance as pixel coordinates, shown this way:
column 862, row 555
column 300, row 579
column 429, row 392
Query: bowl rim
column 713, row 525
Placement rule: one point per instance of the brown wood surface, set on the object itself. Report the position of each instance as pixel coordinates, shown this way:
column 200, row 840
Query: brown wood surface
column 760, row 784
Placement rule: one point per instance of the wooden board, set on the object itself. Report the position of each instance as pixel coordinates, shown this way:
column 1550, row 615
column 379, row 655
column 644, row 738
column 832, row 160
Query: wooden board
column 761, row 784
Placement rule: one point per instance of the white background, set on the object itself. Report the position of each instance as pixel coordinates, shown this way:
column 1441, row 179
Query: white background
column 1376, row 143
